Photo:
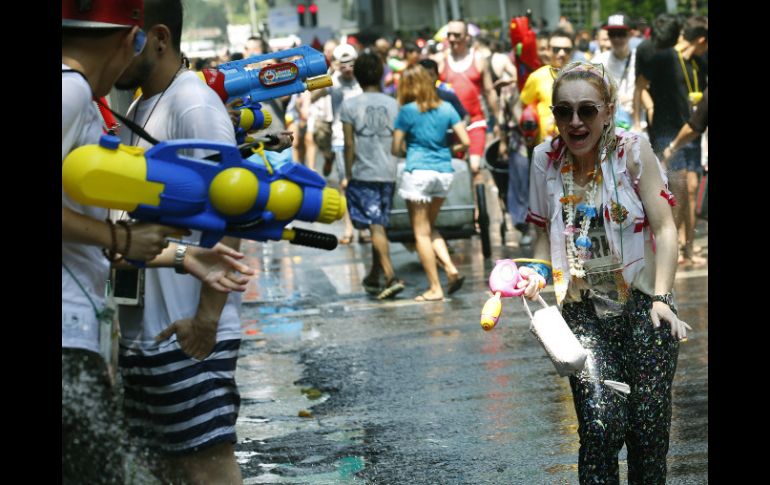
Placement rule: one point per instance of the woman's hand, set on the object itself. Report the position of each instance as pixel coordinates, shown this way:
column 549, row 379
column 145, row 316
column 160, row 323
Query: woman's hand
column 532, row 281
column 218, row 267
column 661, row 311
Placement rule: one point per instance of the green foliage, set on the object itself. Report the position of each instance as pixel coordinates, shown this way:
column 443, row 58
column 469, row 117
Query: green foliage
column 200, row 14
column 649, row 9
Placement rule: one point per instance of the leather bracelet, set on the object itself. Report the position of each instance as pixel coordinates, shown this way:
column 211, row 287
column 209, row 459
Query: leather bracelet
column 179, row 255
column 667, row 298
column 112, row 253
column 128, row 238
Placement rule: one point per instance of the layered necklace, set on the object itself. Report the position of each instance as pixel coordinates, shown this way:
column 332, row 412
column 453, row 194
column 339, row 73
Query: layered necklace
column 578, row 248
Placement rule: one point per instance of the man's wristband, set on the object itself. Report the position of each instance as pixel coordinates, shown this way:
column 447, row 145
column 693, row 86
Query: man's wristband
column 179, row 255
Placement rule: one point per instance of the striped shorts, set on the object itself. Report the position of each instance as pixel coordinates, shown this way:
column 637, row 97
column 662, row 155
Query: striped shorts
column 177, row 404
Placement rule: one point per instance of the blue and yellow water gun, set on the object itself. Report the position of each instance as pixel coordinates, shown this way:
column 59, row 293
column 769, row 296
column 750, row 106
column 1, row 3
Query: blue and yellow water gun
column 227, row 197
column 306, row 70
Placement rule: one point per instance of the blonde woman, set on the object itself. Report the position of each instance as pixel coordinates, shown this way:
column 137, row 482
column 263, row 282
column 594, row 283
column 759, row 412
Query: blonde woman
column 421, row 135
column 600, row 201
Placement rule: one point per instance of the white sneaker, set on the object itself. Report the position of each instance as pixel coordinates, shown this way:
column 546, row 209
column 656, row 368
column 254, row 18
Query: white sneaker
column 525, row 240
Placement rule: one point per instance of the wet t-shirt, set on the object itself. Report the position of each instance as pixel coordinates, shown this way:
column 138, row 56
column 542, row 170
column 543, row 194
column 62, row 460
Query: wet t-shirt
column 602, row 268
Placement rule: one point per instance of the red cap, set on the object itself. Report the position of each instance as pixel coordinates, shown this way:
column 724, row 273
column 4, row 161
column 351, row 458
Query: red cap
column 102, row 13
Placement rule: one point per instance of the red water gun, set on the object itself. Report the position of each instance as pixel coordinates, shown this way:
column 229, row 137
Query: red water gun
column 524, row 44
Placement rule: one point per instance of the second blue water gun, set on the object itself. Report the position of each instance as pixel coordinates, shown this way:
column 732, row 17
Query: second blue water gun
column 305, row 69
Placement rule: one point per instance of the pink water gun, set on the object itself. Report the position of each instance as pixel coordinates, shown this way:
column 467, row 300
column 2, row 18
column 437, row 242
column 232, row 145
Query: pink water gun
column 503, row 280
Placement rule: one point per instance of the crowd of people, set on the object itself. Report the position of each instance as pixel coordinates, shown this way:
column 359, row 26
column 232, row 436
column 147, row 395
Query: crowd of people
column 592, row 138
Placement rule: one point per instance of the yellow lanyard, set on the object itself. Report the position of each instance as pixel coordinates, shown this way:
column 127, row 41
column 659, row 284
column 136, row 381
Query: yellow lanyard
column 686, row 77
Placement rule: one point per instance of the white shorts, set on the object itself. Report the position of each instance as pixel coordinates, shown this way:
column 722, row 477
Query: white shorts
column 424, row 185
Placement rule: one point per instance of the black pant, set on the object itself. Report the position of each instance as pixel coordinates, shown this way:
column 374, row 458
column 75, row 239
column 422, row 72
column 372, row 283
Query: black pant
column 628, row 349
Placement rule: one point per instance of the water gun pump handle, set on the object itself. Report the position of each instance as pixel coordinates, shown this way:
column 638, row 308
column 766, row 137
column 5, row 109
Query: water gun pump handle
column 314, row 239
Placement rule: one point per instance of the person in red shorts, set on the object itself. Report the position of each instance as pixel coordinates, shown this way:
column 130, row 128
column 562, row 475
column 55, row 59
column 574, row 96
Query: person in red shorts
column 468, row 73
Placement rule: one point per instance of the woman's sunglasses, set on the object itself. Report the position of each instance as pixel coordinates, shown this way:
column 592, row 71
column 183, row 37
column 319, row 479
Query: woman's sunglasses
column 586, row 112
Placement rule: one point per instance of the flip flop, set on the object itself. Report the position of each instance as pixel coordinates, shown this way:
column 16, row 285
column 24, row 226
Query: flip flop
column 345, row 239
column 391, row 289
column 422, row 298
column 456, row 285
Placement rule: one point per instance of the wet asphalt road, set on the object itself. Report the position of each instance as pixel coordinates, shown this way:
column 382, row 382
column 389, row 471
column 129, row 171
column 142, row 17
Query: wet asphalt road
column 340, row 388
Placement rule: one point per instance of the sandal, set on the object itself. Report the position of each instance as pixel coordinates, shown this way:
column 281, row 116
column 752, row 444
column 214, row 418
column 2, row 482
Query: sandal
column 392, row 288
column 456, row 284
column 423, row 298
column 346, row 239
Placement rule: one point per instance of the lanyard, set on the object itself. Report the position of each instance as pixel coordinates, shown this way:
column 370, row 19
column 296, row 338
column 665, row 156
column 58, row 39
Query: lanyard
column 686, row 77
column 106, row 314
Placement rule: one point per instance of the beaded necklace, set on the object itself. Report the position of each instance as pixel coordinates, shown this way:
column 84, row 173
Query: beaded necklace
column 578, row 249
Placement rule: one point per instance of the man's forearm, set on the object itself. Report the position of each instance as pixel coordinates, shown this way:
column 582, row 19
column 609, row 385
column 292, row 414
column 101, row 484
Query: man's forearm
column 81, row 229
column 685, row 136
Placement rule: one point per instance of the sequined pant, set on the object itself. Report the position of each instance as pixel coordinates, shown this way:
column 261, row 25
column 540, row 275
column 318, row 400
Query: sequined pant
column 628, row 349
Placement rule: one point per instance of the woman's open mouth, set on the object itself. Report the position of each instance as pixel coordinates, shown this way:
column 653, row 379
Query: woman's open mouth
column 578, row 136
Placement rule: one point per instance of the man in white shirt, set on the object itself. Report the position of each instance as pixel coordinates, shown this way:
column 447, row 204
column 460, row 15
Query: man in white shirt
column 178, row 352
column 99, row 40
column 620, row 61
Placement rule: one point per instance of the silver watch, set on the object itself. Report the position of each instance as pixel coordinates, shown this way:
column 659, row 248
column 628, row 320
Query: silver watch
column 181, row 251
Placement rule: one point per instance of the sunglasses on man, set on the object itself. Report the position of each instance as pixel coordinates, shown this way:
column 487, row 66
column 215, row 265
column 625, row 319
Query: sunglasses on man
column 556, row 50
column 140, row 40
column 454, row 34
column 586, row 112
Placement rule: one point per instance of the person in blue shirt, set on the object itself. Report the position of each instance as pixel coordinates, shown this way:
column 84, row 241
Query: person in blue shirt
column 444, row 90
column 420, row 135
